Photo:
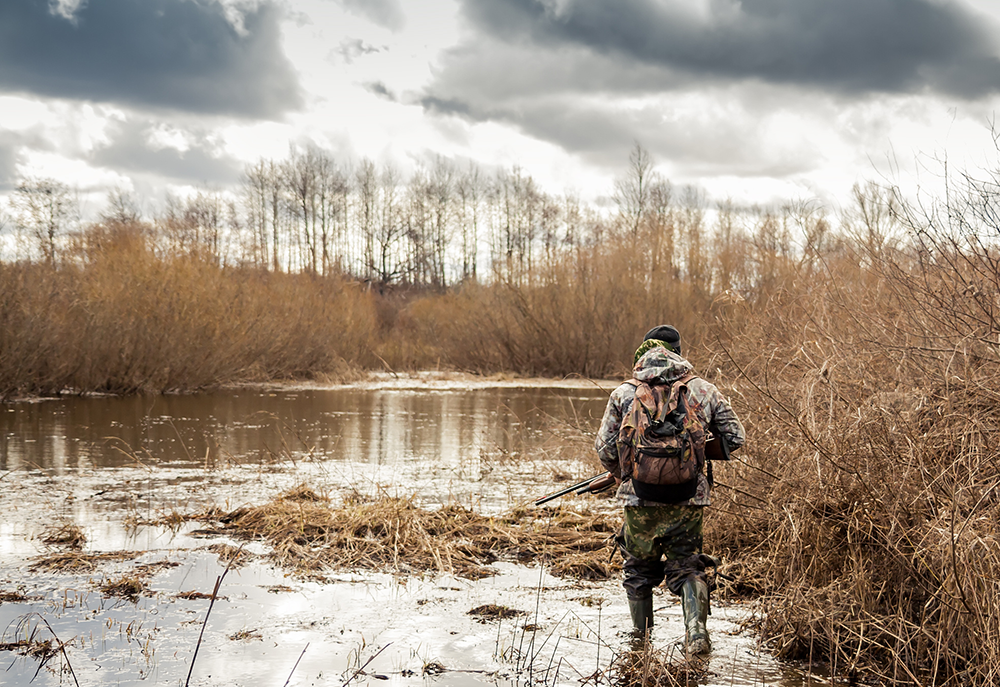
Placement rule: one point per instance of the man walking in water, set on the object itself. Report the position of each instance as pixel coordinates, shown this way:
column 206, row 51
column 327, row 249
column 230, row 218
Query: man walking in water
column 665, row 520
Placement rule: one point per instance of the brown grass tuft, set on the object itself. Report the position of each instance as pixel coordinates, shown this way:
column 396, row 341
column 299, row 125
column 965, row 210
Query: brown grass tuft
column 69, row 536
column 308, row 534
column 195, row 595
column 231, row 556
column 650, row 667
column 74, row 562
column 128, row 587
column 489, row 612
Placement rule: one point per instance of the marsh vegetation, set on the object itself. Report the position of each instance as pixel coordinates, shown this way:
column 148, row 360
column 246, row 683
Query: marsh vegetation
column 863, row 353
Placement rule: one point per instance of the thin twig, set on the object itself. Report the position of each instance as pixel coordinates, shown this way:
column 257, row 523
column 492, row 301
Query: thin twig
column 361, row 669
column 296, row 664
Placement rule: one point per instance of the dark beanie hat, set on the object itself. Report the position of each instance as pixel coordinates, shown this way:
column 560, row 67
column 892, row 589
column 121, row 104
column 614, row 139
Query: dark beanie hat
column 666, row 334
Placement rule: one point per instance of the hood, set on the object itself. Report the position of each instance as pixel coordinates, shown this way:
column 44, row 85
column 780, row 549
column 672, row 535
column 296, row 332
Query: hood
column 660, row 366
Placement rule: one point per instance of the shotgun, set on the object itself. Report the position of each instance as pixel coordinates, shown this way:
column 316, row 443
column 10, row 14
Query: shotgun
column 591, row 485
column 716, row 448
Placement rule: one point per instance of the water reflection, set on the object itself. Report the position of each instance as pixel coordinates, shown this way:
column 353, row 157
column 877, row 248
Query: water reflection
column 374, row 426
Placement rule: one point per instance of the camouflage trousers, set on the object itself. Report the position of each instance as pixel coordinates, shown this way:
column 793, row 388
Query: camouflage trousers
column 651, row 534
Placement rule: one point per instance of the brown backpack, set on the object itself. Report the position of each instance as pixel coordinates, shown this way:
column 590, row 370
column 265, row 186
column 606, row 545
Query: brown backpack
column 661, row 443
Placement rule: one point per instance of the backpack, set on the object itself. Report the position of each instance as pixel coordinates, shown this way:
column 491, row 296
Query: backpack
column 661, row 443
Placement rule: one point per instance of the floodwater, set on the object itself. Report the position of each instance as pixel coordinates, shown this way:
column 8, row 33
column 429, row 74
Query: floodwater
column 105, row 463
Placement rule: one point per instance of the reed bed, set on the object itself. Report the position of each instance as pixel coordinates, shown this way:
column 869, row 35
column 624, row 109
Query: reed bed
column 117, row 316
column 863, row 511
column 651, row 667
column 309, row 534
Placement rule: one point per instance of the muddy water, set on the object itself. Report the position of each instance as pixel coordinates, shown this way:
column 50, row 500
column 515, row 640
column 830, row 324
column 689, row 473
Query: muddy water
column 105, row 463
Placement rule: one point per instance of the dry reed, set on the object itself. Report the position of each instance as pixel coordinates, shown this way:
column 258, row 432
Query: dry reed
column 650, row 667
column 128, row 587
column 75, row 562
column 69, row 536
column 488, row 612
column 309, row 534
column 119, row 317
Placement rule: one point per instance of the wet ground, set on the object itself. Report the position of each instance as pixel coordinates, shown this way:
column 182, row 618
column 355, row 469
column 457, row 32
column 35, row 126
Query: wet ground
column 106, row 464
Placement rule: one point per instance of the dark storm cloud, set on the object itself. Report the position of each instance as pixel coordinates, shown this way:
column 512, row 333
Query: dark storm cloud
column 385, row 13
column 177, row 54
column 853, row 46
column 131, row 151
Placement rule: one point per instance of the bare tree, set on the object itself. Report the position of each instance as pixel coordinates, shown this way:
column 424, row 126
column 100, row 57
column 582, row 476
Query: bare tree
column 471, row 190
column 122, row 208
column 518, row 209
column 366, row 179
column 45, row 208
column 632, row 191
column 439, row 189
column 336, row 194
column 264, row 200
column 388, row 230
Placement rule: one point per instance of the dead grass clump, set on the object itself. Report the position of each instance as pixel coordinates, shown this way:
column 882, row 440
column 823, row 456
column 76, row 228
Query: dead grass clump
column 194, row 596
column 308, row 534
column 128, row 587
column 69, row 536
column 650, row 667
column 583, row 566
column 489, row 612
column 39, row 650
column 75, row 562
column 231, row 556
column 246, row 636
column 150, row 569
column 303, row 492
column 17, row 596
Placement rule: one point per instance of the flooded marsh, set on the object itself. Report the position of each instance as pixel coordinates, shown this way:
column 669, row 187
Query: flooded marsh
column 120, row 515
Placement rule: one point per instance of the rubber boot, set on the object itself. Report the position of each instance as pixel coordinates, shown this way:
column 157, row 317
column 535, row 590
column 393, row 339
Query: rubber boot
column 694, row 601
column 642, row 615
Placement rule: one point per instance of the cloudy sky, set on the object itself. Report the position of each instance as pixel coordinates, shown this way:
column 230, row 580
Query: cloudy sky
column 755, row 100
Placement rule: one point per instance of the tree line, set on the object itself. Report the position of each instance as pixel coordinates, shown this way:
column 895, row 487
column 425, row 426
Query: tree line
column 446, row 223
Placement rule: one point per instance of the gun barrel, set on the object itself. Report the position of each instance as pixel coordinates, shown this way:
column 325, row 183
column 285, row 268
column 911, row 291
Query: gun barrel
column 562, row 492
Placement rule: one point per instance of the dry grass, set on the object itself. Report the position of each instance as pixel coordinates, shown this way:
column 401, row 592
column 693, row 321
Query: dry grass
column 69, row 536
column 864, row 510
column 308, row 534
column 37, row 649
column 129, row 587
column 15, row 597
column 489, row 612
column 119, row 317
column 194, row 596
column 246, row 636
column 75, row 562
column 650, row 667
column 231, row 556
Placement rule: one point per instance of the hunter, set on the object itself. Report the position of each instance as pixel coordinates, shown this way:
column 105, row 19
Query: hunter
column 669, row 527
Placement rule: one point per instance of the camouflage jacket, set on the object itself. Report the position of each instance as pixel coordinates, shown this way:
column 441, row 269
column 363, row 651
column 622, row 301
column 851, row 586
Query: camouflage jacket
column 660, row 366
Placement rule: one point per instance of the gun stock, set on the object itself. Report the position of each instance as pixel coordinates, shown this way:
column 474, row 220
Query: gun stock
column 717, row 448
